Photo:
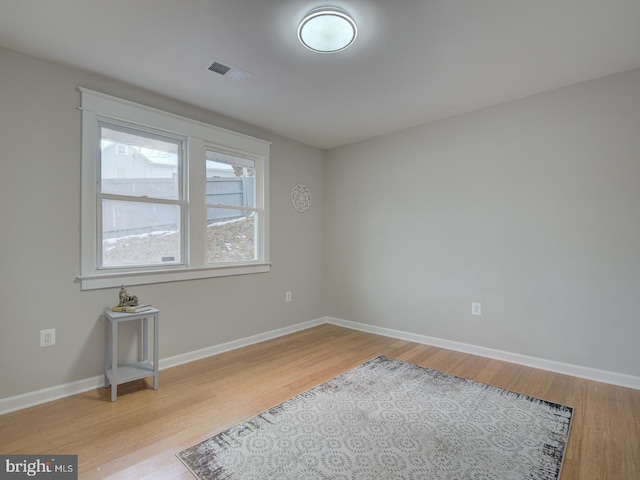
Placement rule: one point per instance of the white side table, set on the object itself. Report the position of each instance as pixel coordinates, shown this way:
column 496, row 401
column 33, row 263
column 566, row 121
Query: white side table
column 115, row 374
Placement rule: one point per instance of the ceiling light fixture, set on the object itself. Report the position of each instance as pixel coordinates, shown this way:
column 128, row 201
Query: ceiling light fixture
column 327, row 30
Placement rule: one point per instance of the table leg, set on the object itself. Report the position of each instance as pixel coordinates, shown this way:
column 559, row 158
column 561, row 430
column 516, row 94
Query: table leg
column 156, row 337
column 107, row 350
column 145, row 340
column 114, row 361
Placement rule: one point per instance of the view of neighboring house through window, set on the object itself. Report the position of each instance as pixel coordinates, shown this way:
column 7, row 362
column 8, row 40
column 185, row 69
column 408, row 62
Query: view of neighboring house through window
column 141, row 198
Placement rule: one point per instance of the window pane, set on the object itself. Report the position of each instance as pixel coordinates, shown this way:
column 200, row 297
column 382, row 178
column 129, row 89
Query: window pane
column 136, row 233
column 230, row 239
column 231, row 180
column 138, row 164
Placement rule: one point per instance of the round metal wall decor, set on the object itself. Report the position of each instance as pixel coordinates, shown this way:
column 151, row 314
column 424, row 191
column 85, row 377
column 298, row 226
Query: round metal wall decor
column 301, row 197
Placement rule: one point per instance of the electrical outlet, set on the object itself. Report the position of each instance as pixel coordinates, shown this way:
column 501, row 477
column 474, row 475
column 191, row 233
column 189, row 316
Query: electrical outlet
column 287, row 296
column 476, row 308
column 48, row 337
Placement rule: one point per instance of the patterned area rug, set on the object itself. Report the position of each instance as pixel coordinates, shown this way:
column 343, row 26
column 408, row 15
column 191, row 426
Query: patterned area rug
column 388, row 419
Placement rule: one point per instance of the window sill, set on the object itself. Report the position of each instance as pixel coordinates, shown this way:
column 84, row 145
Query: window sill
column 108, row 280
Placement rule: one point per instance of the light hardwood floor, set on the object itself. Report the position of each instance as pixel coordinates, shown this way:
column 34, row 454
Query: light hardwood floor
column 138, row 436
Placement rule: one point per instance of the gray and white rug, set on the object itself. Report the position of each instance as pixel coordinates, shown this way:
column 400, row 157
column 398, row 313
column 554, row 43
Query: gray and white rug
column 388, row 419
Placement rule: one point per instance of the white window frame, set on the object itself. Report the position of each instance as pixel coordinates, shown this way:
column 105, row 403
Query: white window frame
column 97, row 106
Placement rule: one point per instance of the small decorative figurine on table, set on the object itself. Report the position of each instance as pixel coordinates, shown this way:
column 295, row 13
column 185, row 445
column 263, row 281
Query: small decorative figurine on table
column 127, row 300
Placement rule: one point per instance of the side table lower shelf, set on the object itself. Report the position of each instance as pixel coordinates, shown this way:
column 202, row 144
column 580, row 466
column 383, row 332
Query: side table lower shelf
column 130, row 372
column 115, row 374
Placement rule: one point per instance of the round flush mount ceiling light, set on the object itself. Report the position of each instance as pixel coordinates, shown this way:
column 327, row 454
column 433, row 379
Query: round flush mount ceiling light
column 327, row 30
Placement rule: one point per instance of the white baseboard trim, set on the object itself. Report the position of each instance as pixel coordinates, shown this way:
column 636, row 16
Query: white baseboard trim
column 30, row 399
column 243, row 342
column 604, row 376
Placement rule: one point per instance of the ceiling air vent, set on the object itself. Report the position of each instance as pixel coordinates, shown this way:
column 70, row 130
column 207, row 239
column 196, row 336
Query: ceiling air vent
column 229, row 71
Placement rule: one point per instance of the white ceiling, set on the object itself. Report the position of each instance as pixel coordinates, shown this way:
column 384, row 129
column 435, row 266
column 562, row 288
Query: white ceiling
column 414, row 61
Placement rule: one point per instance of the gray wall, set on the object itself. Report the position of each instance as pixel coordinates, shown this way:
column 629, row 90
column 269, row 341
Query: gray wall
column 40, row 240
column 531, row 208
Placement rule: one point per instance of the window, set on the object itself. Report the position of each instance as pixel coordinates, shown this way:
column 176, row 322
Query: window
column 166, row 198
column 121, row 149
column 231, row 207
column 140, row 204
